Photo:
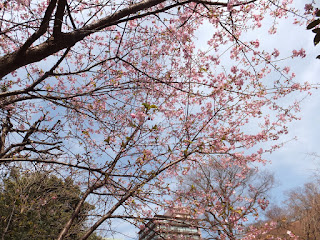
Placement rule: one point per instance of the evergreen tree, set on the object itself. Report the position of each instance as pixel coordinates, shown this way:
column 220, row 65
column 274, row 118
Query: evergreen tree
column 36, row 205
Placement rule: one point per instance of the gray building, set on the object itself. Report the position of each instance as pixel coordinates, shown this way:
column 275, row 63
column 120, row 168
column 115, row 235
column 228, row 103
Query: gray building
column 173, row 225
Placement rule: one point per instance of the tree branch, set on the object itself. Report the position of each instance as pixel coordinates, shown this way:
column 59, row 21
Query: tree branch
column 42, row 29
column 13, row 61
column 59, row 18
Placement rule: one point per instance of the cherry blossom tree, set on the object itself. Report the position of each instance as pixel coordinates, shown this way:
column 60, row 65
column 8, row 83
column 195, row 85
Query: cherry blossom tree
column 225, row 196
column 118, row 96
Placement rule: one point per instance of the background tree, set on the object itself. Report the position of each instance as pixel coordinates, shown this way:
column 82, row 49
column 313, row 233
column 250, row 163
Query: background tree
column 304, row 206
column 116, row 95
column 301, row 213
column 35, row 205
column 225, row 196
column 297, row 217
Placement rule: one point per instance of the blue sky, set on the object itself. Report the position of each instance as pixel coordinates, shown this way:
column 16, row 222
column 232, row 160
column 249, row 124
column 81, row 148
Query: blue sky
column 293, row 164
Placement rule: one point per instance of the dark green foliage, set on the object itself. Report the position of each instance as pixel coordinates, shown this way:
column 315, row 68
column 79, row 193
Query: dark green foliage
column 36, row 205
column 313, row 25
